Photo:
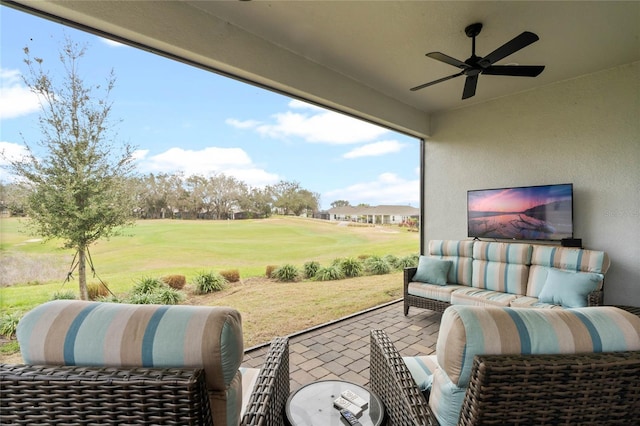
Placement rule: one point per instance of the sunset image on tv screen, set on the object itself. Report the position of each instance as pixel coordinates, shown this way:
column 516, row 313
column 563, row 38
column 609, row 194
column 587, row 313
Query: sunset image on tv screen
column 524, row 213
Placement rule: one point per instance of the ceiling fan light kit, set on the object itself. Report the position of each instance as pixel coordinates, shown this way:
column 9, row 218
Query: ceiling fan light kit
column 476, row 65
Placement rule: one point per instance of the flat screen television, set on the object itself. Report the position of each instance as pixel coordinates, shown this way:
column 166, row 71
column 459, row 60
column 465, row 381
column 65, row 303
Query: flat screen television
column 542, row 212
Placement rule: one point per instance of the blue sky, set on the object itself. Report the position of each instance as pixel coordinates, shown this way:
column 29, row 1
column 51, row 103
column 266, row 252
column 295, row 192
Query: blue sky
column 183, row 119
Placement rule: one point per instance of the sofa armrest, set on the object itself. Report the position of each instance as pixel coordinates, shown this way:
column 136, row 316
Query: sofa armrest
column 391, row 380
column 36, row 394
column 408, row 277
column 595, row 298
column 266, row 404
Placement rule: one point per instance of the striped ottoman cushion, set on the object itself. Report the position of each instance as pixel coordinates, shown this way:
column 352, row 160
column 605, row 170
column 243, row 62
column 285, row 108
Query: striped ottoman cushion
column 466, row 331
column 72, row 332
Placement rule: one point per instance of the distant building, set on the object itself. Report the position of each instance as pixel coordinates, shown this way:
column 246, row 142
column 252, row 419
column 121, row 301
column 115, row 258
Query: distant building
column 378, row 215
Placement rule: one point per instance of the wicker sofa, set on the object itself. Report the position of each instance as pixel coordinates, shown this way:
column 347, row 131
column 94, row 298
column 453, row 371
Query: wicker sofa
column 106, row 363
column 504, row 274
column 516, row 366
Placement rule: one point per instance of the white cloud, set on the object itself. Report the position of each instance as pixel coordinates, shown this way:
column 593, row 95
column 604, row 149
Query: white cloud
column 246, row 124
column 375, row 149
column 140, row 154
column 318, row 125
column 297, row 104
column 208, row 161
column 10, row 152
column 388, row 188
column 15, row 98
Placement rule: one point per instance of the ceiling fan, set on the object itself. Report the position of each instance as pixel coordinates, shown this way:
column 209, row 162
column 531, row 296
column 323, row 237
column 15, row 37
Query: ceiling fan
column 477, row 65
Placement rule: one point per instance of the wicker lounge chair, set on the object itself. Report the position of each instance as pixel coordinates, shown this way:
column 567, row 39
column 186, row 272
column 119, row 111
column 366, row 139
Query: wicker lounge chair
column 578, row 389
column 123, row 392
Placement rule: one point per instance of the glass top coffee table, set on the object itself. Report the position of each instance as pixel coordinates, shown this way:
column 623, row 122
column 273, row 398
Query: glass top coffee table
column 312, row 405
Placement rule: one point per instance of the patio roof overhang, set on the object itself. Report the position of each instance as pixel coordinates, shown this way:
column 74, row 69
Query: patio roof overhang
column 361, row 58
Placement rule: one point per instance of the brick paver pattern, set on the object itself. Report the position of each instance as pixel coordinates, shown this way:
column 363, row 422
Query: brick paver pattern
column 341, row 350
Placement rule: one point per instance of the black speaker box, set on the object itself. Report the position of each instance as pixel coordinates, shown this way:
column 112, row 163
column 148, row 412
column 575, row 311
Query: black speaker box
column 571, row 242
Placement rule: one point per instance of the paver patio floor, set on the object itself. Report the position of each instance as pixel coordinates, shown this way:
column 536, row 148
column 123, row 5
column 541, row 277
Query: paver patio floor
column 340, row 350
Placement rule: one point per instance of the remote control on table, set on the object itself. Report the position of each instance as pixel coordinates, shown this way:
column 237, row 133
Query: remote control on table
column 343, row 404
column 354, row 399
column 349, row 417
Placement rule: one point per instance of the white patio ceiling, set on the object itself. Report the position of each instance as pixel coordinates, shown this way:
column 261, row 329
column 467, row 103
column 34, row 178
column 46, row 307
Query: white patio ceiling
column 361, row 57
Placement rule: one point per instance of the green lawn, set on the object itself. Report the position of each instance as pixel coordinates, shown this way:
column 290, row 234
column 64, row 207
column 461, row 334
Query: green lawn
column 161, row 247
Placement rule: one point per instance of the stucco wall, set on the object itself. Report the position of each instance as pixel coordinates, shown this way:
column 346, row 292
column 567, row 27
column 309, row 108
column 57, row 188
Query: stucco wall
column 583, row 131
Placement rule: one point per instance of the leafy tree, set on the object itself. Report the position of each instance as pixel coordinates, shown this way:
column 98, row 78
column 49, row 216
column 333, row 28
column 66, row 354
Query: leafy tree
column 225, row 193
column 284, row 194
column 340, row 203
column 305, row 201
column 78, row 189
column 291, row 198
column 13, row 198
column 258, row 201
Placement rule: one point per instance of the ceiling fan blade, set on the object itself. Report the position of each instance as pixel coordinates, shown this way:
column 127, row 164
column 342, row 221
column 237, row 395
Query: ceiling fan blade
column 447, row 60
column 440, row 80
column 514, row 70
column 519, row 42
column 470, row 86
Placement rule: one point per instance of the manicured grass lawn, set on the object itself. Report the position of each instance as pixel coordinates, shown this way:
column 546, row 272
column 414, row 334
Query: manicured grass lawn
column 161, row 247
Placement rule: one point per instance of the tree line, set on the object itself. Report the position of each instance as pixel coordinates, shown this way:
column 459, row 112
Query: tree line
column 174, row 196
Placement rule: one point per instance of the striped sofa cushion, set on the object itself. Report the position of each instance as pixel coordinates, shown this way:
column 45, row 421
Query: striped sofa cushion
column 72, row 332
column 501, row 267
column 466, row 331
column 479, row 297
column 422, row 369
column 498, row 276
column 544, row 258
column 503, row 252
column 446, row 399
column 438, row 292
column 459, row 252
column 531, row 302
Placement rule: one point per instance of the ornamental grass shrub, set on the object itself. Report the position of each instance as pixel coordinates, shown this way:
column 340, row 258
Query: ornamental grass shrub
column 376, row 265
column 176, row 282
column 392, row 260
column 351, row 267
column 311, row 269
column 150, row 290
column 410, row 261
column 147, row 285
column 64, row 295
column 286, row 273
column 231, row 275
column 329, row 273
column 97, row 291
column 142, row 299
column 8, row 324
column 269, row 270
column 169, row 296
column 209, row 282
